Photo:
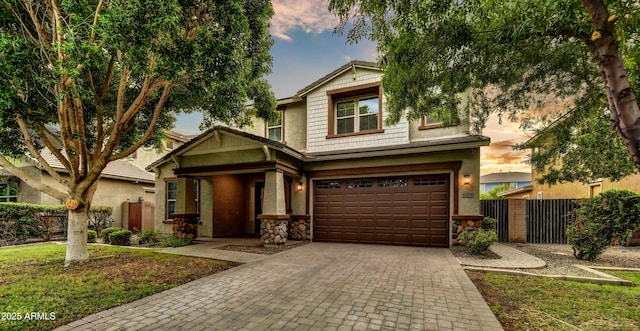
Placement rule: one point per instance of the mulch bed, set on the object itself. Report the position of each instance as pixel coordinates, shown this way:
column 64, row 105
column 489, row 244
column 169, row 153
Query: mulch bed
column 259, row 249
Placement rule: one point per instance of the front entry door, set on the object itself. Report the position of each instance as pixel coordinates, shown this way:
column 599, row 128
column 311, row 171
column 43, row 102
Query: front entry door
column 258, row 198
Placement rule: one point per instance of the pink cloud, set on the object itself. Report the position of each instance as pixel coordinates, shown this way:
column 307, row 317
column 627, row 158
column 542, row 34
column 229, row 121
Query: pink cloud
column 312, row 16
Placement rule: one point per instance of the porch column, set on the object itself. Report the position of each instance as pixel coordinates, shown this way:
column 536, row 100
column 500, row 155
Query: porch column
column 274, row 218
column 185, row 218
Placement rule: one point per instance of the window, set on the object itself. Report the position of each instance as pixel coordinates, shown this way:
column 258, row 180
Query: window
column 172, row 194
column 274, row 127
column 430, row 122
column 354, row 111
column 348, row 120
column 8, row 193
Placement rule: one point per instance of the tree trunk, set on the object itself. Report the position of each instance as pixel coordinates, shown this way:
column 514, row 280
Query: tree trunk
column 625, row 112
column 77, row 236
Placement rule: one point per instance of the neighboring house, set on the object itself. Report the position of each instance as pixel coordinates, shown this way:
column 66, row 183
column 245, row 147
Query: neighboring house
column 513, row 179
column 573, row 190
column 124, row 185
column 327, row 168
column 523, row 192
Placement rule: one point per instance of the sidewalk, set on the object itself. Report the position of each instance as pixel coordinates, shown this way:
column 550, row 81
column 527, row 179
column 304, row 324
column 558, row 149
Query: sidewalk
column 511, row 259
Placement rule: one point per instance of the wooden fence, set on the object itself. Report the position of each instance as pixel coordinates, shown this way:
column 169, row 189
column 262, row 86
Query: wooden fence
column 546, row 221
column 498, row 209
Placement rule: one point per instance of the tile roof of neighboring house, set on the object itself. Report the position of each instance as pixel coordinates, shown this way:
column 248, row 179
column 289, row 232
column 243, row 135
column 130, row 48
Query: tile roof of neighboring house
column 118, row 169
column 349, row 66
column 178, row 136
column 506, row 177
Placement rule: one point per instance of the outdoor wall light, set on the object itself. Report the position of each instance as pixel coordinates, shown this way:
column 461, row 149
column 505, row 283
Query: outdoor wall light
column 300, row 186
column 467, row 179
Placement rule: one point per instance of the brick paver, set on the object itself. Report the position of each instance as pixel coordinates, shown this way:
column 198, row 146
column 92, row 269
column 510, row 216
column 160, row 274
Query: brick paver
column 318, row 286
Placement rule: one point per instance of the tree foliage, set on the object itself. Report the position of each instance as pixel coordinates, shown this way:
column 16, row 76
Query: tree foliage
column 94, row 80
column 602, row 221
column 492, row 194
column 533, row 61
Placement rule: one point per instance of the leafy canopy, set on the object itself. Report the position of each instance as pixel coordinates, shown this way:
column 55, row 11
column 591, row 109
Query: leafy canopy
column 524, row 60
column 93, row 80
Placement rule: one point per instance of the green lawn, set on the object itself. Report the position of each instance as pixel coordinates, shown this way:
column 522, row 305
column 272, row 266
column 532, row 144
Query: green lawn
column 38, row 293
column 536, row 303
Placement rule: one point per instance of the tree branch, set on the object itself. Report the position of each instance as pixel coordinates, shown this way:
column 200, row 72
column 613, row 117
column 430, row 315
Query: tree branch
column 95, row 22
column 29, row 180
column 149, row 132
column 28, row 140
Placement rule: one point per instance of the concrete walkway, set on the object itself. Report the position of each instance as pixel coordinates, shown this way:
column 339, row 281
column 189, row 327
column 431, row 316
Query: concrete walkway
column 319, row 286
column 511, row 259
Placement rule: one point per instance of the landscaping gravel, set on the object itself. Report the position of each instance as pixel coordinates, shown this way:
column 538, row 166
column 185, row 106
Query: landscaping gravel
column 560, row 259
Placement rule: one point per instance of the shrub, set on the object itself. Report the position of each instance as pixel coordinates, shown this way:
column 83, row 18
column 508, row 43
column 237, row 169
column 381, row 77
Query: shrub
column 100, row 217
column 489, row 224
column 481, row 240
column 107, row 231
column 171, row 241
column 608, row 218
column 120, row 237
column 148, row 237
column 91, row 236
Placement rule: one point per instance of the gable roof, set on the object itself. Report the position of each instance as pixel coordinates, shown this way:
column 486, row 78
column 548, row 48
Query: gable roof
column 219, row 128
column 118, row 169
column 349, row 66
column 505, row 177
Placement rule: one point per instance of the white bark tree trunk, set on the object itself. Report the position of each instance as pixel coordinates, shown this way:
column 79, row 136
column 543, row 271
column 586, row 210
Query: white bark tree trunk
column 77, row 236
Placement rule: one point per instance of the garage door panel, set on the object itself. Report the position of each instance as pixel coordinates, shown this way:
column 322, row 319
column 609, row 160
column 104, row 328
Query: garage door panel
column 392, row 210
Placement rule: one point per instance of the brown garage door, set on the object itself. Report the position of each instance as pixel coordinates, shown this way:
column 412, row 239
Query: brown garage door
column 412, row 210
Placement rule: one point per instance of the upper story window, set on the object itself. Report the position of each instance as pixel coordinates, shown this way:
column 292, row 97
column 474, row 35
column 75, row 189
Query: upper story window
column 430, row 122
column 357, row 114
column 355, row 110
column 274, row 127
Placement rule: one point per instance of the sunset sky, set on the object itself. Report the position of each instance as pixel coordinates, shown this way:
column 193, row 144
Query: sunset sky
column 306, row 49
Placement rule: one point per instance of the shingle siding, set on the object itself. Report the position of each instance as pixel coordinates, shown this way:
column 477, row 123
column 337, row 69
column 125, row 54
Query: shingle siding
column 317, row 114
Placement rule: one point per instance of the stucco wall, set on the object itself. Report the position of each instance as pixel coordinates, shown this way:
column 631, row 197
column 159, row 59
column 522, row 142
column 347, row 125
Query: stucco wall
column 295, row 126
column 578, row 190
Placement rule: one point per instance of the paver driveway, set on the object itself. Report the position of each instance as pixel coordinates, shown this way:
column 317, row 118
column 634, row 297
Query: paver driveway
column 318, row 286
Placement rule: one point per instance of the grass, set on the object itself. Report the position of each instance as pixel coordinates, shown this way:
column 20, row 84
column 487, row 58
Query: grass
column 33, row 279
column 532, row 303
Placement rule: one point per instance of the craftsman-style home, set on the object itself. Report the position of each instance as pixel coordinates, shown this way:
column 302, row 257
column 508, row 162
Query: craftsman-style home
column 327, row 169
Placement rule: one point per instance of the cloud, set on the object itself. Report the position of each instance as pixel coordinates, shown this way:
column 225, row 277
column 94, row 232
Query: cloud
column 312, row 16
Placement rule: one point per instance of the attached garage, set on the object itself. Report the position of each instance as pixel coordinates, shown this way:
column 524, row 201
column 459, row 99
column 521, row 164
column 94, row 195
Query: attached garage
column 401, row 210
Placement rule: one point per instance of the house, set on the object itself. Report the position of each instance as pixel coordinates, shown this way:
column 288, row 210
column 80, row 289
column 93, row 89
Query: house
column 327, row 168
column 124, row 184
column 523, row 192
column 513, row 179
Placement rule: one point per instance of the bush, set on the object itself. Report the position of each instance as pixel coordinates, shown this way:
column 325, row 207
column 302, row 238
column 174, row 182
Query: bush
column 120, row 237
column 602, row 221
column 91, row 236
column 100, row 217
column 481, row 240
column 107, row 231
column 171, row 241
column 489, row 224
column 148, row 237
